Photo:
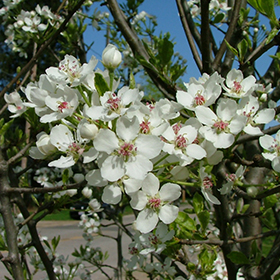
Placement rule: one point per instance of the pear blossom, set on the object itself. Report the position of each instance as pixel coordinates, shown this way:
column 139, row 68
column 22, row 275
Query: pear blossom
column 271, row 148
column 249, row 107
column 237, row 86
column 179, row 140
column 232, row 179
column 70, row 71
column 114, row 105
column 128, row 153
column 153, row 203
column 62, row 138
column 220, row 129
column 15, row 104
column 199, row 94
column 206, row 187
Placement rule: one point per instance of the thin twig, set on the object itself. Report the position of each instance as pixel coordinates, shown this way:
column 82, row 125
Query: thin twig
column 229, row 34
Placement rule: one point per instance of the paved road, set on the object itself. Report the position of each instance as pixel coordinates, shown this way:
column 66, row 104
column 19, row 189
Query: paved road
column 71, row 238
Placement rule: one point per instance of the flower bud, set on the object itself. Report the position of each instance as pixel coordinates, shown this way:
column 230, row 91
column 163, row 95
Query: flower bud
column 111, row 57
column 87, row 192
column 71, row 192
column 88, row 131
column 44, row 144
column 79, row 177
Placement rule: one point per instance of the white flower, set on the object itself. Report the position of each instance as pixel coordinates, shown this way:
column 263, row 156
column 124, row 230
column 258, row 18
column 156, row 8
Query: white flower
column 233, row 179
column 15, row 104
column 221, row 128
column 128, row 153
column 70, row 71
column 248, row 107
column 199, row 94
column 206, row 187
column 114, row 105
column 179, row 140
column 271, row 148
column 62, row 138
column 154, row 203
column 111, row 57
column 44, row 144
column 238, row 87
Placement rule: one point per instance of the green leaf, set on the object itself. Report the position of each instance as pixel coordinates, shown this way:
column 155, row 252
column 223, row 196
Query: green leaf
column 242, row 49
column 238, row 258
column 55, row 241
column 232, row 49
column 185, row 221
column 218, row 18
column 165, row 52
column 65, row 176
column 100, row 84
column 198, row 203
column 270, row 201
column 132, row 83
column 3, row 246
column 204, row 218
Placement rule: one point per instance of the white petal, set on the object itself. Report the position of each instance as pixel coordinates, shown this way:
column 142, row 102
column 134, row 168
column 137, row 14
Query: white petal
column 196, row 151
column 210, row 197
column 252, row 130
column 90, row 155
column 264, row 116
column 62, row 162
column 205, row 115
column 61, row 137
column 267, row 142
column 224, row 140
column 146, row 220
column 106, row 141
column 138, row 167
column 168, row 213
column 226, row 109
column 112, row 168
column 127, row 129
column 170, row 192
column 94, row 178
column 138, row 200
column 150, row 184
column 148, row 145
column 276, row 164
column 112, row 194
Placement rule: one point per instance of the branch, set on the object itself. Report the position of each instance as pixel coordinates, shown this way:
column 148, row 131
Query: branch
column 231, row 241
column 43, row 47
column 46, row 190
column 191, row 33
column 230, row 31
column 19, row 154
column 205, row 34
column 259, row 51
column 138, row 49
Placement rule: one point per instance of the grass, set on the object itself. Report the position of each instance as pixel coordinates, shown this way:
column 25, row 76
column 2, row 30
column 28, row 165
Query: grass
column 62, row 215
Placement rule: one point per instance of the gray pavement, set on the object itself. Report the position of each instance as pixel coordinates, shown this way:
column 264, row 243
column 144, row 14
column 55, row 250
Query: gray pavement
column 71, row 238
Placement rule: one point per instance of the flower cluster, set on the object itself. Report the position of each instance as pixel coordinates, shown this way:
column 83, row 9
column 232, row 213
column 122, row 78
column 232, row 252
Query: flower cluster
column 93, row 120
column 26, row 25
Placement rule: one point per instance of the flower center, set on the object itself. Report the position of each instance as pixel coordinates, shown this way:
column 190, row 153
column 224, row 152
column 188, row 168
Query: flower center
column 133, row 251
column 145, row 127
column 63, row 105
column 207, row 183
column 180, row 142
column 126, row 150
column 237, row 87
column 154, row 203
column 153, row 239
column 231, row 177
column 114, row 102
column 75, row 149
column 199, row 99
column 176, row 128
column 220, row 126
